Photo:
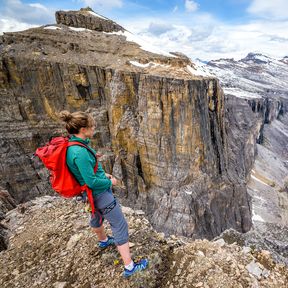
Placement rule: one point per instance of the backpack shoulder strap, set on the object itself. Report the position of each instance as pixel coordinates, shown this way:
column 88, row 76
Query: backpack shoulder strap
column 76, row 143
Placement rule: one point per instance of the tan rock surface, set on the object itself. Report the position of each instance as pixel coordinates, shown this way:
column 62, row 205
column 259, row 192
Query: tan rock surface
column 38, row 255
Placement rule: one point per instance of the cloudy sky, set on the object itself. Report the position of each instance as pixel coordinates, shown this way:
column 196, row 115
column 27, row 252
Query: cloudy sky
column 200, row 29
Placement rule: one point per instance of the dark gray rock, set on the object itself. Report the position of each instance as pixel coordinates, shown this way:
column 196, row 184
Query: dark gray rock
column 266, row 236
column 6, row 203
column 87, row 18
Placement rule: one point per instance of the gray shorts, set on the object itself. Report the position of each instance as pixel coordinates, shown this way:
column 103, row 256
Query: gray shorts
column 110, row 210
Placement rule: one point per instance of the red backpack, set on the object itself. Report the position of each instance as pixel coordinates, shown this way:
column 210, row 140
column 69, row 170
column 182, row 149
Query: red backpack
column 53, row 156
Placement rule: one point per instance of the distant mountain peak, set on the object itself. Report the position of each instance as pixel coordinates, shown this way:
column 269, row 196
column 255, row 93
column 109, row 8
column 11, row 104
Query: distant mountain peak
column 285, row 60
column 257, row 58
column 254, row 54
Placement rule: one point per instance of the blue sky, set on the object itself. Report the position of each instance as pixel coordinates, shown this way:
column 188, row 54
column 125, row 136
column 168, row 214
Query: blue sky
column 201, row 28
column 227, row 10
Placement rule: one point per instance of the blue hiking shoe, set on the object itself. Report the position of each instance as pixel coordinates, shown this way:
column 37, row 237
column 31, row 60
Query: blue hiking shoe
column 139, row 266
column 105, row 244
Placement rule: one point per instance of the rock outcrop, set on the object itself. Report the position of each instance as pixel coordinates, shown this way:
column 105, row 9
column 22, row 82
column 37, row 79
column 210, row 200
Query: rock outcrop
column 87, row 18
column 161, row 126
column 63, row 252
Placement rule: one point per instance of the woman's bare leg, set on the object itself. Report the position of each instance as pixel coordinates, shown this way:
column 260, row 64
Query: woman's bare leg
column 100, row 233
column 124, row 251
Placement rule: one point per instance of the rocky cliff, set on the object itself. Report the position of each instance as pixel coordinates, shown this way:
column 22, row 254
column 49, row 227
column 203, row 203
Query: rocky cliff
column 63, row 252
column 258, row 85
column 257, row 99
column 162, row 127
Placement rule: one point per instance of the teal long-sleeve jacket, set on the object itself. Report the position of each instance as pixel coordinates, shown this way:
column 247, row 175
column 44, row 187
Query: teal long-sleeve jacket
column 81, row 163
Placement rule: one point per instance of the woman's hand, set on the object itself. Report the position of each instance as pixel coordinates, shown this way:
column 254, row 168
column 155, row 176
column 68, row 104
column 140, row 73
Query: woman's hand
column 113, row 180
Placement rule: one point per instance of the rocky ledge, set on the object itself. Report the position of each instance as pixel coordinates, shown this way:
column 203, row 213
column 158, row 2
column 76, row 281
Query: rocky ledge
column 62, row 252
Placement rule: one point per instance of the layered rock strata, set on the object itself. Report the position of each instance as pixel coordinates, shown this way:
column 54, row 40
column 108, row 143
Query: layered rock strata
column 87, row 18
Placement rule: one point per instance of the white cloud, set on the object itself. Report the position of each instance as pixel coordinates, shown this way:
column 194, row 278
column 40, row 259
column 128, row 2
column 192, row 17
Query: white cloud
column 191, row 6
column 175, row 9
column 12, row 25
column 205, row 37
column 35, row 13
column 277, row 9
column 39, row 6
column 103, row 4
column 158, row 28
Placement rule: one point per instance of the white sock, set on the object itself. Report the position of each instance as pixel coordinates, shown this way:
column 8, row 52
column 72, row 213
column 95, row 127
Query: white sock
column 130, row 266
column 104, row 240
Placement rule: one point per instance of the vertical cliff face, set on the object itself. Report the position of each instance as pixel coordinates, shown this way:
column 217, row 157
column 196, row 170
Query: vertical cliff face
column 171, row 142
column 162, row 128
column 257, row 98
column 23, row 127
column 169, row 128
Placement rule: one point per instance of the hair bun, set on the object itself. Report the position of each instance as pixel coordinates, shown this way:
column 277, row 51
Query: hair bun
column 65, row 115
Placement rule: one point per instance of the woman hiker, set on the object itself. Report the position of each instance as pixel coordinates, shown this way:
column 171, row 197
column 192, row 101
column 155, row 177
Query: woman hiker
column 81, row 163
